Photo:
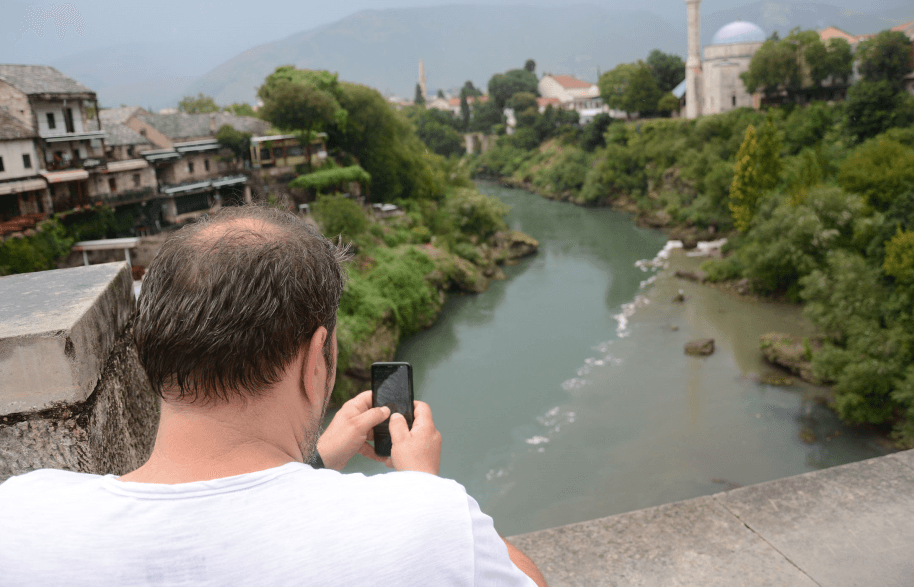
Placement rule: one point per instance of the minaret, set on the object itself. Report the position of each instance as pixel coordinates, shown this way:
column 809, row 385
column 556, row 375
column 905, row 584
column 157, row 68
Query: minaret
column 422, row 79
column 693, row 63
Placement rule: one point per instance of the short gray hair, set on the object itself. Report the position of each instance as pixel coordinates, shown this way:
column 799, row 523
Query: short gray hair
column 232, row 299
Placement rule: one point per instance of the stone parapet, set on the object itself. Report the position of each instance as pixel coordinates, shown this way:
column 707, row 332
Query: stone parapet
column 848, row 525
column 73, row 394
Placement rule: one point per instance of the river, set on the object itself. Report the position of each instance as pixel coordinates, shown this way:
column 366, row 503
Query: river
column 563, row 392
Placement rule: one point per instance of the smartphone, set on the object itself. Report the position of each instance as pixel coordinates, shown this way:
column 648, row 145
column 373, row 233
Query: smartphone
column 391, row 386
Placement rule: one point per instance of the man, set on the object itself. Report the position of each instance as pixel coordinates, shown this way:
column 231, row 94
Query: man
column 237, row 331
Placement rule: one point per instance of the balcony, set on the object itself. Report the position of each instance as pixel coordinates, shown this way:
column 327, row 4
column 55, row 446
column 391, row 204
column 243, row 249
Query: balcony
column 130, row 196
column 65, row 163
column 73, row 136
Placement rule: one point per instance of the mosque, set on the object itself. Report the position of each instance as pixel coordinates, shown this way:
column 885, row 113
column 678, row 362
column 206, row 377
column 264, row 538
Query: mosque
column 712, row 85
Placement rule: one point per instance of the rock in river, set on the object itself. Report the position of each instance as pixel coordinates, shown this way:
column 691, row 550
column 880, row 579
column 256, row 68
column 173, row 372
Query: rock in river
column 701, row 347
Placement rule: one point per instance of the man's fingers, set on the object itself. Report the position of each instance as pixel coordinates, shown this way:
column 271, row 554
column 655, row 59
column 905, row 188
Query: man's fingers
column 360, row 403
column 398, row 428
column 422, row 415
column 374, row 416
column 366, row 450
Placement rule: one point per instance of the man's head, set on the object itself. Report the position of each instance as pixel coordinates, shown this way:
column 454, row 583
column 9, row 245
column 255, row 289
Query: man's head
column 231, row 301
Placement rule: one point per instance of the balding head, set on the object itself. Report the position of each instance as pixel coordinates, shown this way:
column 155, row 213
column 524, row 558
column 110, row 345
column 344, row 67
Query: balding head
column 231, row 300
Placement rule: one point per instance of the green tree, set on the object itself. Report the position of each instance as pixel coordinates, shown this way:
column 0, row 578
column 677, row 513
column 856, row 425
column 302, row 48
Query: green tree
column 199, row 105
column 466, row 92
column 504, row 85
column 302, row 101
column 419, row 99
column 486, row 116
column 773, row 67
column 526, row 109
column 886, row 57
column 758, row 169
column 530, row 65
column 630, row 87
column 668, row 103
column 874, row 107
column 899, row 257
column 833, row 59
column 384, row 143
column 880, row 170
column 437, row 129
column 339, row 215
column 240, row 109
column 238, row 142
column 668, row 70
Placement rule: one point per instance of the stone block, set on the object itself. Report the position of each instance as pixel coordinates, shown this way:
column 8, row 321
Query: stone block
column 73, row 393
column 848, row 525
column 693, row 542
column 56, row 331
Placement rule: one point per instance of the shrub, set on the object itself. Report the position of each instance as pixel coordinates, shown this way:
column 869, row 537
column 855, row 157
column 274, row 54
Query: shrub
column 339, row 215
column 475, row 213
column 879, row 170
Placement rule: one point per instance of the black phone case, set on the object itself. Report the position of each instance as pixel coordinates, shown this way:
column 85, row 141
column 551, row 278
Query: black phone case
column 382, row 441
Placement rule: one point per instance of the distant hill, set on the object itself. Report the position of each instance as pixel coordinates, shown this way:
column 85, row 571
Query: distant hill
column 381, row 48
column 471, row 42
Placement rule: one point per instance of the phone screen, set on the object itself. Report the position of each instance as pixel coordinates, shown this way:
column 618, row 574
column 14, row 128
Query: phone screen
column 392, row 386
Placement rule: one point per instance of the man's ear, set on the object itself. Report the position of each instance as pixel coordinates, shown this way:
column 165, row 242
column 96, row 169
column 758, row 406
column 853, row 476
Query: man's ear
column 314, row 370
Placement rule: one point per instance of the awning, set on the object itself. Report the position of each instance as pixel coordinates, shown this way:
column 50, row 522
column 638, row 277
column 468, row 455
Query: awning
column 26, row 185
column 129, row 165
column 188, row 187
column 106, row 244
column 160, row 155
column 223, row 181
column 75, row 136
column 63, row 176
column 194, row 146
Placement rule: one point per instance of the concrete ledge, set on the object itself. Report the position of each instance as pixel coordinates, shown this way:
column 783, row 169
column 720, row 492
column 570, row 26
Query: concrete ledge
column 73, row 394
column 57, row 329
column 848, row 525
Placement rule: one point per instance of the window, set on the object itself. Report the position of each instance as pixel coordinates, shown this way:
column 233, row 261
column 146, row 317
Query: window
column 136, row 180
column 112, row 184
column 190, row 167
column 68, row 119
column 26, row 160
column 206, row 164
column 734, row 100
column 52, row 124
column 1, row 163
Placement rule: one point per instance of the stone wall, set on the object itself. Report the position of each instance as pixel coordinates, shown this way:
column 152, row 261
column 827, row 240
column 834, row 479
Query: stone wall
column 74, row 395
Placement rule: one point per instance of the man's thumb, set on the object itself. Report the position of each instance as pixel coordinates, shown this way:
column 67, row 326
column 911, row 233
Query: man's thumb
column 397, row 426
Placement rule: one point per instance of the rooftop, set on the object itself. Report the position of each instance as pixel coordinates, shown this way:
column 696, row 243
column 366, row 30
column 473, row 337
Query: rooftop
column 183, row 125
column 11, row 129
column 119, row 115
column 41, row 79
column 121, row 134
column 738, row 32
column 570, row 83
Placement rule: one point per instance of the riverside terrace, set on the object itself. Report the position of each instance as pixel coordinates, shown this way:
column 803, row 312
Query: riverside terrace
column 74, row 396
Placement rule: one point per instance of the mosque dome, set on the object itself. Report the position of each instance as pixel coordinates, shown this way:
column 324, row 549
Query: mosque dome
column 738, row 32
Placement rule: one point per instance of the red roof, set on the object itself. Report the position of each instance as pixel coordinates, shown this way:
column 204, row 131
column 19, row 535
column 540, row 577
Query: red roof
column 470, row 100
column 547, row 101
column 21, row 223
column 570, row 83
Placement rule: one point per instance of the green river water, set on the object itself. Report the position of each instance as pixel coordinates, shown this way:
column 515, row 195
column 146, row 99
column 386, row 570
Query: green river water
column 563, row 392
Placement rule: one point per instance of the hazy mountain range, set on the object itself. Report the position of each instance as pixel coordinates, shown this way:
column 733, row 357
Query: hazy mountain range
column 381, row 48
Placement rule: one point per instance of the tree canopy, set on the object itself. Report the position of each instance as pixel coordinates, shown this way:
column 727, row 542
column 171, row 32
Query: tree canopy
column 630, row 87
column 668, row 70
column 202, row 104
column 885, row 57
column 504, row 85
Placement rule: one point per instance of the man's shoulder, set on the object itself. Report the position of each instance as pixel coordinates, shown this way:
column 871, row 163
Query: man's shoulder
column 400, row 484
column 45, row 479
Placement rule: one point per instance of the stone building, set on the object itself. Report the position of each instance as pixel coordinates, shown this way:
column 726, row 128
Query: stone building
column 69, row 144
column 24, row 195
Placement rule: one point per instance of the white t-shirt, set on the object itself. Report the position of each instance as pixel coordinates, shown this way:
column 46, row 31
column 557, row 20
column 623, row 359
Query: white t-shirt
column 290, row 525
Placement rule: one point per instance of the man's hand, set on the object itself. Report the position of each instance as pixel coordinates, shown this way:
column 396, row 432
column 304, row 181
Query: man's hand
column 418, row 449
column 349, row 432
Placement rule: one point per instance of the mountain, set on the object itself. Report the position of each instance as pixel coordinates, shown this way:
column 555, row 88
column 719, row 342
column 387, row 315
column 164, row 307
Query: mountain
column 382, row 48
column 457, row 43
